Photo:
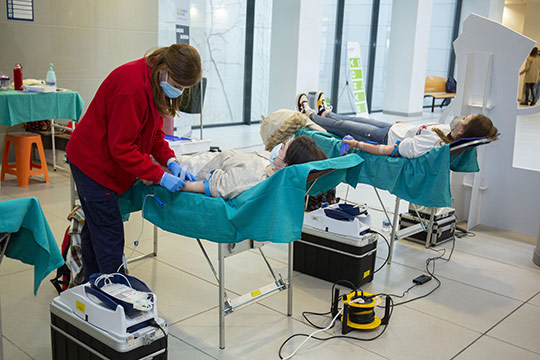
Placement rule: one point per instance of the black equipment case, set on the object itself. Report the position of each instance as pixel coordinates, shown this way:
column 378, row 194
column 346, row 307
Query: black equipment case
column 443, row 228
column 334, row 257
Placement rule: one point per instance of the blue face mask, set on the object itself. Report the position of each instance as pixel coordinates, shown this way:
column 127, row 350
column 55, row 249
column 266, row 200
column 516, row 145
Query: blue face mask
column 169, row 90
column 275, row 154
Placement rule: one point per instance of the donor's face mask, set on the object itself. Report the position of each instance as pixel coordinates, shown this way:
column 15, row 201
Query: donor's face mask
column 455, row 121
column 275, row 154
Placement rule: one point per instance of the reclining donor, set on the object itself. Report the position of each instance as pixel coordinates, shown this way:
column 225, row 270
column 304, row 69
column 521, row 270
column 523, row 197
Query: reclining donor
column 398, row 139
column 229, row 173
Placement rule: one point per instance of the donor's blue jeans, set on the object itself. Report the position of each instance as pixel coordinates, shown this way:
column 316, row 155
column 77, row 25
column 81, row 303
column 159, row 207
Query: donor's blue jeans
column 363, row 129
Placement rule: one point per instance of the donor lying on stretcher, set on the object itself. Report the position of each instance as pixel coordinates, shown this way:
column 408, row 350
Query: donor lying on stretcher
column 227, row 174
column 398, row 139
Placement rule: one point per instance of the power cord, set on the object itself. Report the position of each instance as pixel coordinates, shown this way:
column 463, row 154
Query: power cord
column 330, row 326
column 432, row 273
column 387, row 255
column 429, row 262
column 154, row 323
column 136, row 242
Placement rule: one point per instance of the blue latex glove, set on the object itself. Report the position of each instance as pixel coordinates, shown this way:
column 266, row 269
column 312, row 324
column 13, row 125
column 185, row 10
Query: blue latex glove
column 344, row 145
column 171, row 182
column 176, row 169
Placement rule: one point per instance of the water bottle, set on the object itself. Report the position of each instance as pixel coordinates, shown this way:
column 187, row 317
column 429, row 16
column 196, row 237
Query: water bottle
column 17, row 77
column 51, row 77
column 386, row 226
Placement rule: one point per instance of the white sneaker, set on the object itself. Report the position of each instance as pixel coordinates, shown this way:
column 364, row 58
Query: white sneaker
column 320, row 104
column 302, row 104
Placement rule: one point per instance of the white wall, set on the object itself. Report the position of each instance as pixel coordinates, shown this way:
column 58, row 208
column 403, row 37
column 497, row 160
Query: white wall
column 85, row 39
column 514, row 17
column 531, row 26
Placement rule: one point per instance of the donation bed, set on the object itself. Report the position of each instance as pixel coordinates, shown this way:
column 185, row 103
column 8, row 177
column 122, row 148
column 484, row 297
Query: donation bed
column 423, row 181
column 271, row 211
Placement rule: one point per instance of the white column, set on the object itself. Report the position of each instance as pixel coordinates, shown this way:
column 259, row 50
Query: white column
column 407, row 57
column 295, row 50
column 492, row 9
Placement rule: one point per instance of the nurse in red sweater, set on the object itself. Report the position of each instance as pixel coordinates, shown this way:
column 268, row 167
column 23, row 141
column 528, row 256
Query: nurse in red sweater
column 116, row 140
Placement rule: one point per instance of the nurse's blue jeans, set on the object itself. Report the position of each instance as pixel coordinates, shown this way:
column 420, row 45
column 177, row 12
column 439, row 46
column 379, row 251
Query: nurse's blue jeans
column 102, row 236
column 363, row 129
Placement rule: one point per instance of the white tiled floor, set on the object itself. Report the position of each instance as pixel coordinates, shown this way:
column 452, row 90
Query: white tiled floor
column 488, row 306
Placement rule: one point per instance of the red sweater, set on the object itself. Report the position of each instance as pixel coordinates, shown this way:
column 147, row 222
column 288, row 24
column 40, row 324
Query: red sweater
column 120, row 130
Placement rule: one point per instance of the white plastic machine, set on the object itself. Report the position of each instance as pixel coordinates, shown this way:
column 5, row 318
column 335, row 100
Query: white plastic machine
column 318, row 221
column 81, row 323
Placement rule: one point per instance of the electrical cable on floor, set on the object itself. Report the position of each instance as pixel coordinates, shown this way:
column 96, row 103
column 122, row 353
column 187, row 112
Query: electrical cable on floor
column 429, row 262
column 432, row 273
column 330, row 326
column 463, row 233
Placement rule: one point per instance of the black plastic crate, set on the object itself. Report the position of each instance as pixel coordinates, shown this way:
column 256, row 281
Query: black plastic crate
column 443, row 229
column 69, row 342
column 332, row 257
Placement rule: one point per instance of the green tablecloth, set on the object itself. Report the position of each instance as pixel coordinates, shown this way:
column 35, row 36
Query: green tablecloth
column 19, row 107
column 32, row 241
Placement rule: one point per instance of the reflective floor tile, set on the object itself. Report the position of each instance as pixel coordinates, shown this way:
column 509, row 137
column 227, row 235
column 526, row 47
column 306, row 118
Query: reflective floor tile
column 521, row 328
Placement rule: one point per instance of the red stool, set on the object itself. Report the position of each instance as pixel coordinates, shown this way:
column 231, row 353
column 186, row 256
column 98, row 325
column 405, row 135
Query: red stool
column 23, row 167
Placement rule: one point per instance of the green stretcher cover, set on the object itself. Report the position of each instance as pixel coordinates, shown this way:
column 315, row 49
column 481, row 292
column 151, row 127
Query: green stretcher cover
column 424, row 180
column 32, row 241
column 272, row 210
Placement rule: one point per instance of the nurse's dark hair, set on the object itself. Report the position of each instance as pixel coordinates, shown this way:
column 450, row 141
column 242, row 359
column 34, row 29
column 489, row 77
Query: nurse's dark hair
column 303, row 149
column 478, row 126
column 183, row 64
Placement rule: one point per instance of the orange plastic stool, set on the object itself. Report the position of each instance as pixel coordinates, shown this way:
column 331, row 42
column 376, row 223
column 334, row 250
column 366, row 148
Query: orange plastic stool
column 23, row 167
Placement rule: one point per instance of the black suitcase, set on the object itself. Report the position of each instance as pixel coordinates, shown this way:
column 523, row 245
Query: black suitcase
column 443, row 229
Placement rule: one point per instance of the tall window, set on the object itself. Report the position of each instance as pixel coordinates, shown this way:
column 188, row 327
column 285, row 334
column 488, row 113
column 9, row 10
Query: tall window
column 381, row 57
column 327, row 46
column 358, row 25
column 261, row 59
column 217, row 31
column 440, row 39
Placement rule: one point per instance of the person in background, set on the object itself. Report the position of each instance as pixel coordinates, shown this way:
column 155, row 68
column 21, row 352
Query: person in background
column 398, row 139
column 116, row 139
column 532, row 72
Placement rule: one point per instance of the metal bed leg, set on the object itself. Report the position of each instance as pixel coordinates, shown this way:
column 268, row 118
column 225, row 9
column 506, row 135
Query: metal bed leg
column 290, row 276
column 53, row 145
column 394, row 227
column 155, row 239
column 4, row 241
column 430, row 228
column 221, row 266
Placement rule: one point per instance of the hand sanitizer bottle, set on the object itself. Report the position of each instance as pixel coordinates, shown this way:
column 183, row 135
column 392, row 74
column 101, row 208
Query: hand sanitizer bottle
column 51, row 76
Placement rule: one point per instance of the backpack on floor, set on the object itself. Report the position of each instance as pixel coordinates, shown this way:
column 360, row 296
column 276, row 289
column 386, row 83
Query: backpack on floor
column 61, row 280
column 70, row 274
